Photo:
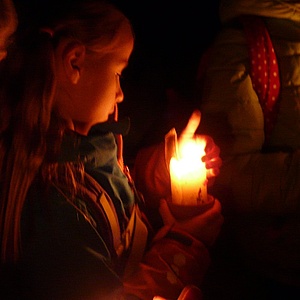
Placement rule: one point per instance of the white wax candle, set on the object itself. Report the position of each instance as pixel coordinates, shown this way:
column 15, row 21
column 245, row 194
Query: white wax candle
column 188, row 175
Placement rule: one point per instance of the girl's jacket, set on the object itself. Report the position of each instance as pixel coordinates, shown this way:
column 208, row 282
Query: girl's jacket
column 259, row 182
column 100, row 245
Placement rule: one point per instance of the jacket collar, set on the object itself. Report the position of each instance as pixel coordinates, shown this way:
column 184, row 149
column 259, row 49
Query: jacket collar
column 101, row 137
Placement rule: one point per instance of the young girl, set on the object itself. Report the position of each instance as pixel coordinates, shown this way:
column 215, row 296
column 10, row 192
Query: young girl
column 72, row 224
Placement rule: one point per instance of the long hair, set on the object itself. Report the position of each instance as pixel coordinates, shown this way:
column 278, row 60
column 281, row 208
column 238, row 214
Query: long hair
column 27, row 91
column 8, row 22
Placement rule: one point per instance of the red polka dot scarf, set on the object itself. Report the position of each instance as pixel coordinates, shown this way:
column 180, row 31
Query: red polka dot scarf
column 263, row 68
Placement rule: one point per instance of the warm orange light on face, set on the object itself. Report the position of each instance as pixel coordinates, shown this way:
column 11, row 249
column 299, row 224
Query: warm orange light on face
column 188, row 174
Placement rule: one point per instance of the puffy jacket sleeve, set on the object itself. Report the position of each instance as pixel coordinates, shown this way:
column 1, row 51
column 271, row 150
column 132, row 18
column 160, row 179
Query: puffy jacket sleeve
column 232, row 115
column 174, row 261
column 151, row 174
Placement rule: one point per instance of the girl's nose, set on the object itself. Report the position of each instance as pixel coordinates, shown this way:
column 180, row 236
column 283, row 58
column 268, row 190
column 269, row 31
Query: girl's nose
column 119, row 95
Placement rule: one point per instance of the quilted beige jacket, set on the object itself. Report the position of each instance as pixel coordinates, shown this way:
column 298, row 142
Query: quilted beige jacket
column 261, row 189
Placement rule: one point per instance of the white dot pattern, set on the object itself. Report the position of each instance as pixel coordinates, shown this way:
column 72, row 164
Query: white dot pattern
column 263, row 69
column 179, row 261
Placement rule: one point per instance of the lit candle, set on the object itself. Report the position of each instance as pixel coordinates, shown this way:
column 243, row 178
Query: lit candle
column 188, row 175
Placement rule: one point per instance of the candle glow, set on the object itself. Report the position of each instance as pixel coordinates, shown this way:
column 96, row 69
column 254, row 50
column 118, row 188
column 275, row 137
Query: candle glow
column 188, row 175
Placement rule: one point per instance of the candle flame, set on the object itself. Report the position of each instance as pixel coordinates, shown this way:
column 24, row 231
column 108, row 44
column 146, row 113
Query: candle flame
column 191, row 150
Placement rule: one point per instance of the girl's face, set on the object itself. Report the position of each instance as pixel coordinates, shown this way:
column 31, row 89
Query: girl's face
column 92, row 89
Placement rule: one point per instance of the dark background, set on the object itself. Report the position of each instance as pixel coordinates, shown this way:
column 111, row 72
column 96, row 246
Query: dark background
column 170, row 39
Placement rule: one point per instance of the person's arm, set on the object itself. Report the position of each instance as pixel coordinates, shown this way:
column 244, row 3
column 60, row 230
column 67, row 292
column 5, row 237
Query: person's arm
column 178, row 256
column 173, row 262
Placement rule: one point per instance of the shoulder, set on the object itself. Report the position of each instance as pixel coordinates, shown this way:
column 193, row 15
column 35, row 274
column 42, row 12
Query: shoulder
column 51, row 216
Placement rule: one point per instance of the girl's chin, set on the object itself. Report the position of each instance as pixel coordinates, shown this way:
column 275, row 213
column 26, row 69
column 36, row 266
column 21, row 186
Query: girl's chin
column 111, row 117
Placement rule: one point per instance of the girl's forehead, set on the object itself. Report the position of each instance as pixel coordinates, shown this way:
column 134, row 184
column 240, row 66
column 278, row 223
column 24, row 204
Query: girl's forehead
column 122, row 37
column 126, row 33
column 119, row 53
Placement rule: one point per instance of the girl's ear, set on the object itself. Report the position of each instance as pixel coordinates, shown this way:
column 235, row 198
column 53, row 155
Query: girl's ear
column 73, row 59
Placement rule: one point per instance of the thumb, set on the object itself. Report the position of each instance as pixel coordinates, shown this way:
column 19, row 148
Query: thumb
column 165, row 213
column 192, row 125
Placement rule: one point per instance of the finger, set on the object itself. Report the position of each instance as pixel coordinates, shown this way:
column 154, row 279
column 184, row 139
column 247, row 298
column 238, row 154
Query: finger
column 210, row 144
column 217, row 206
column 192, row 125
column 165, row 213
column 212, row 212
column 213, row 166
column 212, row 172
column 211, row 149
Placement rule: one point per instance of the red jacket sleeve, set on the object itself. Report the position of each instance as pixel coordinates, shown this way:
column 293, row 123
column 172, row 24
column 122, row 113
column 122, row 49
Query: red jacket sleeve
column 175, row 260
column 151, row 175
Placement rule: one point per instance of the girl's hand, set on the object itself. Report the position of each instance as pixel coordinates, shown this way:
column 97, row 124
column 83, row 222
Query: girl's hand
column 205, row 227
